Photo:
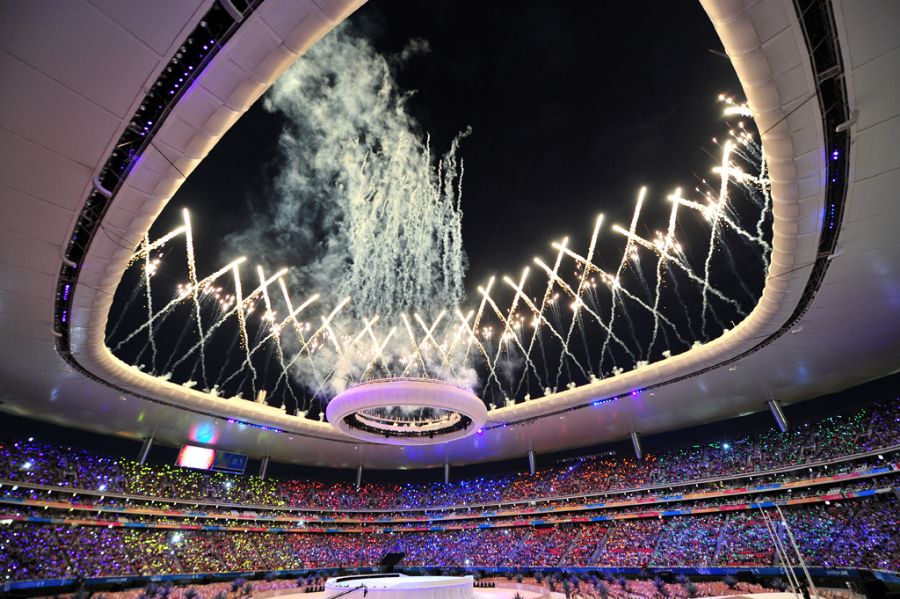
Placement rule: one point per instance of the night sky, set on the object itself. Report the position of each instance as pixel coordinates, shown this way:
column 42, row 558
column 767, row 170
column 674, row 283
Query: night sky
column 573, row 106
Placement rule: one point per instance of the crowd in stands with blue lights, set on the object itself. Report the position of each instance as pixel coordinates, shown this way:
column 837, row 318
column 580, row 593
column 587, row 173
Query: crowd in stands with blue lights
column 864, row 430
column 857, row 533
column 855, row 528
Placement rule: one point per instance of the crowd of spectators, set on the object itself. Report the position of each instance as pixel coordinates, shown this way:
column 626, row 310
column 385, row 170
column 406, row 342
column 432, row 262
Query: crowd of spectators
column 594, row 588
column 631, row 542
column 104, row 507
column 823, row 531
column 851, row 533
column 865, row 429
column 689, row 540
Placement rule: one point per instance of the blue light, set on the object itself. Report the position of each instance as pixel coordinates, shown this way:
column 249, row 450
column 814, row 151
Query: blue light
column 726, row 446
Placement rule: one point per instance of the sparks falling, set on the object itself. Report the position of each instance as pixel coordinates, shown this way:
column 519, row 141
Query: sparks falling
column 598, row 310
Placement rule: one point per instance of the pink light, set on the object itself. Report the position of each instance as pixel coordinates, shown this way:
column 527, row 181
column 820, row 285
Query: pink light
column 192, row 456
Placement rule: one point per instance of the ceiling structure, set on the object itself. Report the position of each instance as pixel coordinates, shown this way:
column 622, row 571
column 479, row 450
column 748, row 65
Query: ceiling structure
column 829, row 316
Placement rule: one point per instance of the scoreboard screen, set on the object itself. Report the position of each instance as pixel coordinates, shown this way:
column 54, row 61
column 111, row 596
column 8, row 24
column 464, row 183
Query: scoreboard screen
column 205, row 458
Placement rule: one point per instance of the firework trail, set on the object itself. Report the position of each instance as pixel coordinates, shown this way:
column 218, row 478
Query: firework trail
column 540, row 316
column 732, row 266
column 670, row 259
column 329, row 378
column 231, row 345
column 379, row 350
column 415, row 348
column 660, row 263
column 473, row 336
column 306, row 345
column 680, row 299
column 611, row 282
column 178, row 299
column 274, row 332
column 506, row 334
column 235, row 309
column 708, row 212
column 195, row 290
column 474, row 328
column 145, row 247
column 765, row 186
column 242, row 327
column 616, row 285
column 129, row 302
column 714, row 232
column 535, row 334
column 430, row 330
column 576, row 309
column 149, row 298
column 505, row 322
column 298, row 328
column 565, row 287
column 456, row 337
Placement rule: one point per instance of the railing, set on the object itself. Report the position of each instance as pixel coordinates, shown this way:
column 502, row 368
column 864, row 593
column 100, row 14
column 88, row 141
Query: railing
column 512, row 523
column 526, row 503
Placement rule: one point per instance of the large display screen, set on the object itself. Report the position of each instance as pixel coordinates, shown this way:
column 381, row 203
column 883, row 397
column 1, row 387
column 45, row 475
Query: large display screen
column 192, row 456
column 205, row 458
column 230, row 462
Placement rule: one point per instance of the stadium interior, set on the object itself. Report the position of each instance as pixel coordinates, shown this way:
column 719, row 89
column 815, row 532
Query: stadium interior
column 712, row 412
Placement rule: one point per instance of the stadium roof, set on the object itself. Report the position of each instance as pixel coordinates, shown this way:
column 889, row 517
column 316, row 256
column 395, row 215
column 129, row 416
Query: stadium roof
column 829, row 317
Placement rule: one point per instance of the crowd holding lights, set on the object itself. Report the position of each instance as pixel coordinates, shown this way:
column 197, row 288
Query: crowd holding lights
column 855, row 530
column 315, row 360
column 860, row 534
column 867, row 429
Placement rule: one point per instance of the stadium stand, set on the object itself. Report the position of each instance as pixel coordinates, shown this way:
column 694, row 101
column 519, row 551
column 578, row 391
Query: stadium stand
column 95, row 515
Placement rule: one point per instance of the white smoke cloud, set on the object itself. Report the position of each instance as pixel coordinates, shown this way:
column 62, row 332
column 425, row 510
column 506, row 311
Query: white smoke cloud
column 361, row 207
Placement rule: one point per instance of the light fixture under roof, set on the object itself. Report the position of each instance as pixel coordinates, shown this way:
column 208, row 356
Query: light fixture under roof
column 403, row 411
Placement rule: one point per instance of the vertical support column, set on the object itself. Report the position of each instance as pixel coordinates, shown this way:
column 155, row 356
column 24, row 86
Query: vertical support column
column 263, row 466
column 636, row 442
column 145, row 450
column 446, row 473
column 359, row 470
column 531, row 461
column 779, row 416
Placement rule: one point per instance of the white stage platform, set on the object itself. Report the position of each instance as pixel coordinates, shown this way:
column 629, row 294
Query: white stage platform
column 399, row 586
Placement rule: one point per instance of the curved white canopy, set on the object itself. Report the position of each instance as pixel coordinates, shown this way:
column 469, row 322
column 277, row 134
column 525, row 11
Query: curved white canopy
column 81, row 70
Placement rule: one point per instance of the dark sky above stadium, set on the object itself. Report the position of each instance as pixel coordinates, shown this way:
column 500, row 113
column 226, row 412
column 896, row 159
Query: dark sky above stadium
column 573, row 106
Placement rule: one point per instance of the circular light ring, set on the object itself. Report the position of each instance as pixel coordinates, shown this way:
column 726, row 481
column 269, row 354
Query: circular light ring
column 364, row 412
column 389, row 424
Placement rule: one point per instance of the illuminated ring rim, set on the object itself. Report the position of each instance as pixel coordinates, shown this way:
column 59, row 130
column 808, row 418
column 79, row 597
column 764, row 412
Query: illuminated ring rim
column 422, row 393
